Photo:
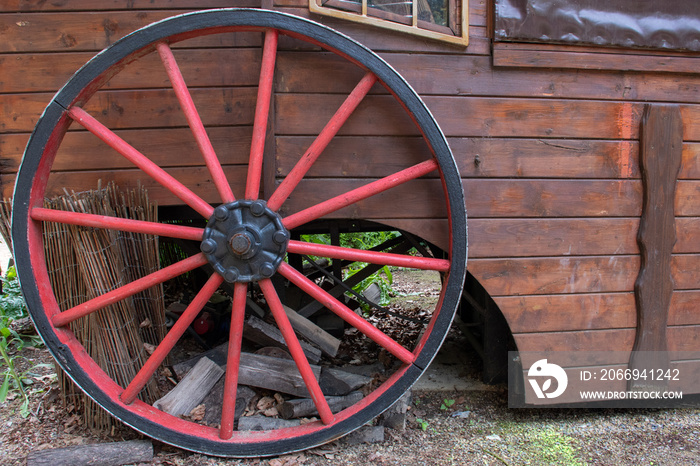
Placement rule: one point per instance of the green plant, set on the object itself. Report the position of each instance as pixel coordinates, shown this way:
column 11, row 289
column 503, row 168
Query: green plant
column 422, row 424
column 363, row 240
column 446, row 404
column 13, row 307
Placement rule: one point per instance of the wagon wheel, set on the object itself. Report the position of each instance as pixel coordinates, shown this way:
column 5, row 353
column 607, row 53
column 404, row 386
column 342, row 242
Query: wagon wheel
column 246, row 240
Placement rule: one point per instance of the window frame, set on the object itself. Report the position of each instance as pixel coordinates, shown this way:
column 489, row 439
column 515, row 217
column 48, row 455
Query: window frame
column 359, row 13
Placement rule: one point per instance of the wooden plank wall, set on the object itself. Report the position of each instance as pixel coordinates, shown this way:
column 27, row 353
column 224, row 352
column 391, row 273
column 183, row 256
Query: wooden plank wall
column 549, row 155
column 44, row 43
column 550, row 163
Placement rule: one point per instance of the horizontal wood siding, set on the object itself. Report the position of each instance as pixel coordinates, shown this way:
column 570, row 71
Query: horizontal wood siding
column 549, row 156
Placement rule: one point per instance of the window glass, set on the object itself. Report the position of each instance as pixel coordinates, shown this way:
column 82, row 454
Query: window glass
column 437, row 19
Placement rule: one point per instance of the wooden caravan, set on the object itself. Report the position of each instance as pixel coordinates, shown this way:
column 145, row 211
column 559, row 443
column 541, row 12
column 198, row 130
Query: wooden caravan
column 570, row 141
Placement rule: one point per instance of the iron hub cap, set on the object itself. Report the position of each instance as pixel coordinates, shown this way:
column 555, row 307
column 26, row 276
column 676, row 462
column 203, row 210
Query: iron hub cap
column 245, row 241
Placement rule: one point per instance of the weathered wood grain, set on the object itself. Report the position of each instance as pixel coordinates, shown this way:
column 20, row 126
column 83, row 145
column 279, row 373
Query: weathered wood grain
column 479, row 116
column 305, row 407
column 78, row 5
column 167, row 147
column 262, row 423
column 481, row 157
column 192, row 389
column 138, row 109
column 105, row 454
column 684, row 308
column 262, row 333
column 312, row 332
column 684, row 271
column 560, row 275
column 465, row 75
column 471, row 116
column 686, row 201
column 196, row 178
column 275, row 374
column 555, row 275
column 92, row 30
column 557, row 313
column 47, row 72
column 548, row 56
column 660, row 160
column 523, row 237
column 589, row 311
column 484, row 198
column 680, row 338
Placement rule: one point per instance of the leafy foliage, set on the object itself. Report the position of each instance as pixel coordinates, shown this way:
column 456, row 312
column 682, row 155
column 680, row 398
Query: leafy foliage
column 447, row 404
column 13, row 307
column 363, row 240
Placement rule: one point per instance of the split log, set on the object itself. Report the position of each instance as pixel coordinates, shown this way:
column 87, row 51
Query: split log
column 253, row 306
column 260, row 332
column 217, row 355
column 305, row 407
column 275, row 352
column 258, row 371
column 312, row 332
column 105, row 454
column 265, row 423
column 192, row 389
column 365, row 434
column 215, row 399
column 337, row 382
column 275, row 374
column 395, row 417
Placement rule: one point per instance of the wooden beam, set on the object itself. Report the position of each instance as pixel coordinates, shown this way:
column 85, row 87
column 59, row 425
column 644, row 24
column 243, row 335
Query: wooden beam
column 660, row 160
column 107, row 454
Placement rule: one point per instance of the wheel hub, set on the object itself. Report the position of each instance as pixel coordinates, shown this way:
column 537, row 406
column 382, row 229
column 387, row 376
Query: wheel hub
column 245, row 241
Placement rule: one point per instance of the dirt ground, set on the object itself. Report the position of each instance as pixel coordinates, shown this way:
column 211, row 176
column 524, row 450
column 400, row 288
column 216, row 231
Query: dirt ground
column 476, row 428
column 465, row 427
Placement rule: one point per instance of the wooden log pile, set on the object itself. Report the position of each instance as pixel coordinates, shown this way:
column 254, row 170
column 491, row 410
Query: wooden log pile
column 265, row 369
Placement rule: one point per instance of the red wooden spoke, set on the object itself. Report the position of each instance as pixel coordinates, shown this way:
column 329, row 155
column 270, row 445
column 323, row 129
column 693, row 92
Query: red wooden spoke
column 116, row 223
column 262, row 110
column 345, row 313
column 295, row 350
column 195, row 122
column 141, row 161
column 356, row 195
column 373, row 257
column 324, row 138
column 143, row 376
column 129, row 289
column 240, row 292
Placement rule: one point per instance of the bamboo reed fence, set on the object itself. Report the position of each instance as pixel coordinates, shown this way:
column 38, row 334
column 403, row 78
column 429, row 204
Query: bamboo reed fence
column 87, row 262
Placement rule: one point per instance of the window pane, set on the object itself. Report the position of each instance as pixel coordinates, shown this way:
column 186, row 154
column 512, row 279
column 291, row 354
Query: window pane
column 347, row 5
column 399, row 11
column 433, row 11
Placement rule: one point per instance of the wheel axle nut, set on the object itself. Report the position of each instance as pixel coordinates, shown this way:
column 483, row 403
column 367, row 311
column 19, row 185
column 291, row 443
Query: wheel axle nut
column 240, row 243
column 208, row 246
column 231, row 274
column 221, row 213
column 257, row 208
column 267, row 269
column 280, row 237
